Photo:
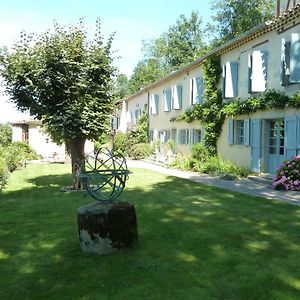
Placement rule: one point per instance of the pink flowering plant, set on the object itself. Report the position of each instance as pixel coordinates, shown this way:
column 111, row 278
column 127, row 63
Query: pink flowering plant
column 288, row 175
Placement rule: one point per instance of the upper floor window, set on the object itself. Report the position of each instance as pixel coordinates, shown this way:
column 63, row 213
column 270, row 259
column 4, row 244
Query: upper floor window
column 167, row 100
column 290, row 60
column 257, row 71
column 230, row 80
column 137, row 114
column 177, row 97
column 154, row 102
column 196, row 90
column 25, row 133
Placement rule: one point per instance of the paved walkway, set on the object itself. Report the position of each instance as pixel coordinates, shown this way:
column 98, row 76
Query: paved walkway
column 246, row 186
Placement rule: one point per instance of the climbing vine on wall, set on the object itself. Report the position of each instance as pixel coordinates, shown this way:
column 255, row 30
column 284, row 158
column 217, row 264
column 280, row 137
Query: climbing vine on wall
column 209, row 112
column 270, row 99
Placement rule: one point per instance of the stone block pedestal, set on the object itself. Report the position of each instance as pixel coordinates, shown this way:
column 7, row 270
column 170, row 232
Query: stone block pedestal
column 105, row 227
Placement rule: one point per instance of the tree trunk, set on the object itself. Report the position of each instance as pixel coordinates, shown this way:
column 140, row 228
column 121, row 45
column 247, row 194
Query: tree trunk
column 77, row 157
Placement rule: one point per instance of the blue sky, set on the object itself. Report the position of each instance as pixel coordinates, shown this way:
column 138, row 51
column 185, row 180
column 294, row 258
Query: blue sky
column 132, row 20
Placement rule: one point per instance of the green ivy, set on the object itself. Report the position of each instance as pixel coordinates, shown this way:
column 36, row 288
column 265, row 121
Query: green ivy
column 270, row 99
column 209, row 112
column 212, row 111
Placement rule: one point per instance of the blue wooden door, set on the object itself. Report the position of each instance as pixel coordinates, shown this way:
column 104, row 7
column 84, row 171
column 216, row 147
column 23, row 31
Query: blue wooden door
column 255, row 145
column 276, row 144
column 291, row 138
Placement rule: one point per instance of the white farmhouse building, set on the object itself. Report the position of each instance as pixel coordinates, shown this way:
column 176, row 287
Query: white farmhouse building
column 31, row 132
column 267, row 57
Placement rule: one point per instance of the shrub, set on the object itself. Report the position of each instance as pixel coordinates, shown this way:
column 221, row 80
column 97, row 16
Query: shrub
column 183, row 162
column 199, row 152
column 287, row 175
column 200, row 161
column 16, row 153
column 5, row 134
column 141, row 150
column 3, row 172
column 122, row 144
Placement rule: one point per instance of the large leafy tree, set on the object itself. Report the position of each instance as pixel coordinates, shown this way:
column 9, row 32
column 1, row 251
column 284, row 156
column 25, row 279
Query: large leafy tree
column 233, row 17
column 180, row 45
column 64, row 79
column 145, row 72
column 120, row 87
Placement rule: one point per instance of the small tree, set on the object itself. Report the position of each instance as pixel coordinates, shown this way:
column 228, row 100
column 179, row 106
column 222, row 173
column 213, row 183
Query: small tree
column 64, row 79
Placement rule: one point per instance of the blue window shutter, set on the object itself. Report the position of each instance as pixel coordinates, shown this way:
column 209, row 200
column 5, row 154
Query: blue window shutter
column 202, row 135
column 265, row 59
column 295, row 58
column 290, row 134
column 246, row 132
column 167, row 135
column 192, row 137
column 199, row 83
column 230, row 132
column 191, row 91
column 249, row 73
column 298, row 132
column 156, row 103
column 167, row 100
column 186, row 136
column 255, row 142
column 283, row 77
column 179, row 91
column 234, row 74
column 223, row 80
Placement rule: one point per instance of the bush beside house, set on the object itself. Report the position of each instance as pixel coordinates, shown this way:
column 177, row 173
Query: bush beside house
column 288, row 175
column 12, row 154
column 201, row 161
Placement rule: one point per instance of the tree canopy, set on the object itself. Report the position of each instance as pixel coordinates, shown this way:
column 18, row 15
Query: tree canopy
column 64, row 79
column 181, row 44
column 233, row 17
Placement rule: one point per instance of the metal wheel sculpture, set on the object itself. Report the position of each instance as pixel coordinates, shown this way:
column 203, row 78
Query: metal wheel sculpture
column 104, row 174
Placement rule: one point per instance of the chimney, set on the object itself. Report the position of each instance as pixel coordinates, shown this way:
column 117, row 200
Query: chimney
column 282, row 6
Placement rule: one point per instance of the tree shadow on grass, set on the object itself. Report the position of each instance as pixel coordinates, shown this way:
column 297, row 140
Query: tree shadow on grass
column 195, row 242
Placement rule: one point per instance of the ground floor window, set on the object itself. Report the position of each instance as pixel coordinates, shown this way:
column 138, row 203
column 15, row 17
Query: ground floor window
column 183, row 136
column 240, row 132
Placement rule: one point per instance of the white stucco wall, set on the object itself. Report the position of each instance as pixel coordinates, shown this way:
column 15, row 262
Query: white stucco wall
column 239, row 154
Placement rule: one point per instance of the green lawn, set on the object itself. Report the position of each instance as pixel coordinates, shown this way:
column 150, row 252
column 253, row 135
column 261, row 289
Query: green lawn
column 195, row 242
